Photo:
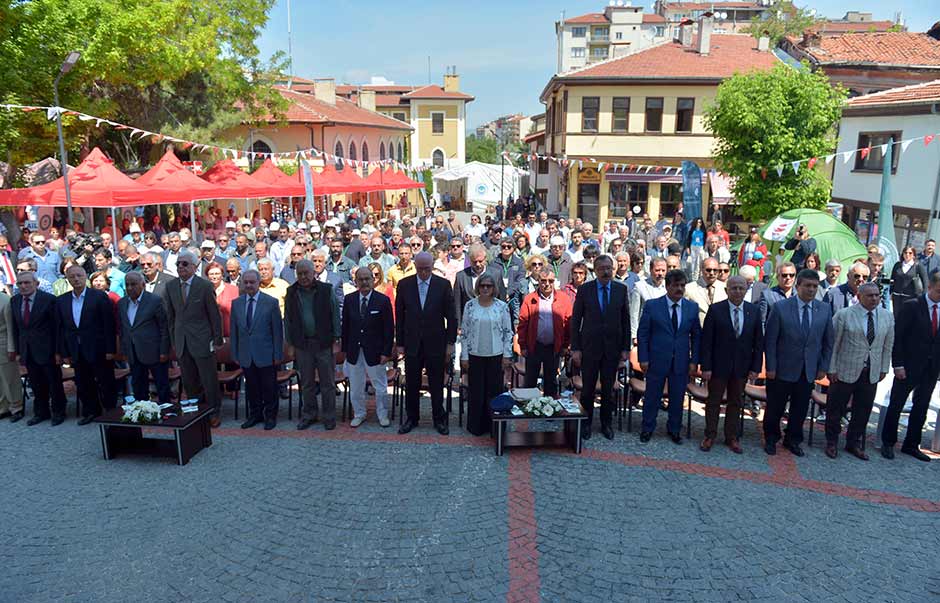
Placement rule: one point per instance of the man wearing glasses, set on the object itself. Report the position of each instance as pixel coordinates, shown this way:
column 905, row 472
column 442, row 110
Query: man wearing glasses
column 544, row 332
column 455, row 262
column 786, row 278
column 846, row 294
column 559, row 261
column 155, row 279
column 47, row 262
column 507, row 265
column 707, row 290
column 288, row 274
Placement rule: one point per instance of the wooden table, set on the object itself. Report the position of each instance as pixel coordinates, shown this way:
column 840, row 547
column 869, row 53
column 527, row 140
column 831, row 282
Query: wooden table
column 569, row 436
column 191, row 433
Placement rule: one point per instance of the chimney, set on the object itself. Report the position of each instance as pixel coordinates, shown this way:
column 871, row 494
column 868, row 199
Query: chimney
column 685, row 33
column 325, row 90
column 451, row 82
column 367, row 99
column 763, row 42
column 705, row 33
column 811, row 39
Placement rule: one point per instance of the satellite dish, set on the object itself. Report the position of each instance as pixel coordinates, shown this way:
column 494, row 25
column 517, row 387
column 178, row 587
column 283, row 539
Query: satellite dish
column 723, row 16
column 612, row 3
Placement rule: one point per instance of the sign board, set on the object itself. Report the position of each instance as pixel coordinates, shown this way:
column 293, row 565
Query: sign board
column 193, row 166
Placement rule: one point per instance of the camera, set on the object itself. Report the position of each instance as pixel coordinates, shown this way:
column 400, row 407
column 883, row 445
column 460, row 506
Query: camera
column 84, row 244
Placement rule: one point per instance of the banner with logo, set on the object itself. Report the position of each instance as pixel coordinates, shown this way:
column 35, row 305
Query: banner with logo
column 779, row 229
column 691, row 190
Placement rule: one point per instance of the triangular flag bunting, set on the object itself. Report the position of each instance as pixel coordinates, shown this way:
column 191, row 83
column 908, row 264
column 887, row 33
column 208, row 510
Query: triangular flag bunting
column 763, row 173
column 812, row 162
column 829, row 158
column 905, row 144
column 779, row 171
column 796, row 167
column 928, row 139
column 847, row 155
column 865, row 152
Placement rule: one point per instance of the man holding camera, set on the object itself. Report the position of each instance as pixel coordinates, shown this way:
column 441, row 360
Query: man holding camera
column 802, row 245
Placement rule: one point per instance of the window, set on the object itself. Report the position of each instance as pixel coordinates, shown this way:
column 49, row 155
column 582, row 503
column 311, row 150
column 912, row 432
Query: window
column 660, row 31
column 437, row 158
column 600, row 33
column 401, row 155
column 543, row 166
column 577, row 53
column 599, row 52
column 685, row 108
column 399, row 116
column 259, row 146
column 381, row 151
column 619, row 35
column 875, row 160
column 578, row 32
column 654, row 114
column 437, row 122
column 624, row 195
column 590, row 106
column 670, row 195
column 365, row 151
column 621, row 114
column 338, row 151
column 352, row 152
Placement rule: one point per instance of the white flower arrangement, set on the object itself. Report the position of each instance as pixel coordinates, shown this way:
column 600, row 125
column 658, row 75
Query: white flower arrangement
column 141, row 412
column 542, row 407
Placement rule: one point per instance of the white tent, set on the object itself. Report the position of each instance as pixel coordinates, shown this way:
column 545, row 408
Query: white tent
column 479, row 183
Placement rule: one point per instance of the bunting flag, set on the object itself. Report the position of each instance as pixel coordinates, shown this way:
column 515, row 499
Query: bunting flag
column 865, row 152
column 796, row 167
column 812, row 163
column 928, row 139
column 829, row 159
column 907, row 143
column 779, row 171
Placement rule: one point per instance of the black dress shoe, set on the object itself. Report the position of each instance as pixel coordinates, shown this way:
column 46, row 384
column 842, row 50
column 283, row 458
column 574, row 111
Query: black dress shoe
column 676, row 438
column 85, row 420
column 887, row 451
column 305, row 424
column 586, row 430
column 831, row 451
column 58, row 420
column 442, row 428
column 17, row 416
column 646, row 436
column 36, row 421
column 329, row 425
column 770, row 448
column 269, row 425
column 915, row 452
column 857, row 452
column 406, row 427
column 251, row 422
column 795, row 449
column 607, row 431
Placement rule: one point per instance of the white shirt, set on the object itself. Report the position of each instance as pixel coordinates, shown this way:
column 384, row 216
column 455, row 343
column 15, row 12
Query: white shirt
column 132, row 307
column 748, row 296
column 930, row 306
column 77, row 303
column 740, row 309
column 170, row 262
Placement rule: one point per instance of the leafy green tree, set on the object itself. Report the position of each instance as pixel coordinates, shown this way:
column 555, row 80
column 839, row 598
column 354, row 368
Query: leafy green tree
column 766, row 119
column 484, row 149
column 785, row 19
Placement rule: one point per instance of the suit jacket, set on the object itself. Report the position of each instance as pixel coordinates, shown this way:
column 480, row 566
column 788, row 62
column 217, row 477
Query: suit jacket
column 37, row 341
column 724, row 352
column 149, row 337
column 159, row 284
column 839, row 297
column 915, row 348
column 93, row 336
column 528, row 329
column 757, row 291
column 929, row 263
column 373, row 334
column 463, row 289
column 769, row 297
column 7, row 332
column 850, row 349
column 260, row 343
column 596, row 333
column 428, row 330
column 195, row 324
column 790, row 353
column 698, row 292
column 668, row 351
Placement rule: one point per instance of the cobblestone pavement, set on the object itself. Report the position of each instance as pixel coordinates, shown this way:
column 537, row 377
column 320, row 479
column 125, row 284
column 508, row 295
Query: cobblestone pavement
column 368, row 515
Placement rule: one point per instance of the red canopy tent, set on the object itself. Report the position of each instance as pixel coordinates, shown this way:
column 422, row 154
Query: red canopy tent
column 345, row 181
column 391, row 180
column 269, row 173
column 170, row 173
column 227, row 174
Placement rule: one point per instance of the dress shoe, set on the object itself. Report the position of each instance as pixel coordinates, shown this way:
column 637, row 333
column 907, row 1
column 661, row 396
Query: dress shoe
column 251, row 422
column 58, row 420
column 770, row 448
column 795, row 449
column 5, row 414
column 607, row 431
column 329, row 425
column 86, row 419
column 36, row 421
column 734, row 446
column 676, row 438
column 857, row 452
column 406, row 427
column 357, row 421
column 831, row 451
column 915, row 452
column 887, row 451
column 305, row 424
column 585, row 430
column 17, row 416
column 646, row 436
column 442, row 428
column 215, row 421
column 384, row 422
column 706, row 445
column 269, row 425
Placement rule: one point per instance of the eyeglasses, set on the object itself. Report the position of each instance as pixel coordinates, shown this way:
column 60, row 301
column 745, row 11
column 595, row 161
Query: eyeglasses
column 543, row 281
column 39, row 241
column 858, row 277
column 456, row 245
column 485, row 286
column 296, row 255
column 417, row 244
column 788, row 275
column 536, row 264
column 711, row 269
column 506, row 246
column 146, row 263
column 725, row 270
column 178, row 263
column 233, row 271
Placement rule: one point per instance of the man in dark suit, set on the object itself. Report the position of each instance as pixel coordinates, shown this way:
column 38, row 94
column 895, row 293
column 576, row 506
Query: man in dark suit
column 257, row 344
column 425, row 333
column 732, row 352
column 36, row 330
column 195, row 332
column 799, row 340
column 929, row 258
column 155, row 280
column 467, row 278
column 668, row 340
column 846, row 294
column 87, row 343
column 368, row 335
column 145, row 338
column 916, row 360
column 786, row 277
column 600, row 340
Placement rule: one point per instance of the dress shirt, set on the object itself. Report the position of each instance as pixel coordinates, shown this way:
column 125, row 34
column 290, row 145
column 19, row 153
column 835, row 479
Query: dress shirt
column 185, row 287
column 169, row 265
column 546, row 328
column 423, row 287
column 78, row 301
column 132, row 307
column 740, row 309
column 930, row 306
column 749, row 295
column 254, row 309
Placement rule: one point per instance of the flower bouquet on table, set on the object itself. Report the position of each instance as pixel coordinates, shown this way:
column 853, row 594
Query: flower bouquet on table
column 544, row 406
column 141, row 412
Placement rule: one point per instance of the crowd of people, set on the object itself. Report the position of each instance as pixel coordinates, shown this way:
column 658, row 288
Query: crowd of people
column 548, row 298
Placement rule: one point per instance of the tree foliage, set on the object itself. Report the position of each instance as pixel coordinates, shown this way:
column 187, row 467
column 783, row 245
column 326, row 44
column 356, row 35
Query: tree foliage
column 485, row 149
column 161, row 65
column 766, row 119
column 785, row 20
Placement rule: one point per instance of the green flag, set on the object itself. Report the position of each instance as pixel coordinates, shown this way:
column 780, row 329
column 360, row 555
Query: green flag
column 886, row 240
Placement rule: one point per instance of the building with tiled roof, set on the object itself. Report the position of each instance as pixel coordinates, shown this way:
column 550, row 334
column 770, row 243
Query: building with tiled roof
column 870, row 61
column 617, row 31
column 908, row 115
column 644, row 109
column 730, row 17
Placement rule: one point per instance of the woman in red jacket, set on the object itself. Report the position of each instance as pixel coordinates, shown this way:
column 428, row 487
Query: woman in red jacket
column 543, row 332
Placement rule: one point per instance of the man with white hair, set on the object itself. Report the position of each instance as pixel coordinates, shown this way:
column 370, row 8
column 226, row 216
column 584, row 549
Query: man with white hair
column 559, row 261
column 754, row 286
column 833, row 270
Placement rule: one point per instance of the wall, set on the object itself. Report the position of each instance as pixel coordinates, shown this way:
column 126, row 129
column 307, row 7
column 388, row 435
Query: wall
column 451, row 142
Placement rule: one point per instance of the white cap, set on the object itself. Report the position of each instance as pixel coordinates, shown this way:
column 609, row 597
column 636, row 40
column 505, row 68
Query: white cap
column 301, row 226
column 135, row 227
column 315, row 227
column 356, row 232
column 208, row 244
column 274, row 226
column 230, row 224
column 184, row 236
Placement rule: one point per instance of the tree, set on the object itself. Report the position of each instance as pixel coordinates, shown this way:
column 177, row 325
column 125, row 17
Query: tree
column 762, row 120
column 785, row 20
column 485, row 149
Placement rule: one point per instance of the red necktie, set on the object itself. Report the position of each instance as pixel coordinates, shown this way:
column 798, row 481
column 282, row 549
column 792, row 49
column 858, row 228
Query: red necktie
column 26, row 316
column 933, row 320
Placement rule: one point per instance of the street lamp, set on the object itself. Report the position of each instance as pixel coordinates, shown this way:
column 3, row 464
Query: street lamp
column 66, row 67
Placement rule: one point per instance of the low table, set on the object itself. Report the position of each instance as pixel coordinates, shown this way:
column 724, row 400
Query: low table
column 569, row 435
column 191, row 433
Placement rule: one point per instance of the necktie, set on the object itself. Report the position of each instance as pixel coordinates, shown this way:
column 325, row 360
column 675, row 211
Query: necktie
column 364, row 308
column 737, row 322
column 185, row 292
column 251, row 310
column 606, row 297
column 423, row 290
column 711, row 295
column 804, row 322
column 871, row 328
column 675, row 317
column 933, row 321
column 28, row 301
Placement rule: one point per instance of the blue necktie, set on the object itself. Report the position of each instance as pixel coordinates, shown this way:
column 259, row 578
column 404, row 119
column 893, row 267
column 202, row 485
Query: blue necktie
column 605, row 297
column 251, row 310
column 805, row 321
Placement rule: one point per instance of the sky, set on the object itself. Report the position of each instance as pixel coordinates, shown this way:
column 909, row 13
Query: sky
column 504, row 51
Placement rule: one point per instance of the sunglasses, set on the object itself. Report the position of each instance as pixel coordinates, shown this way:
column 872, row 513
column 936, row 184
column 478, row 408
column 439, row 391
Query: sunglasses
column 297, row 255
column 182, row 263
column 536, row 264
column 711, row 270
column 725, row 270
column 417, row 244
column 146, row 263
column 506, row 246
column 456, row 246
column 788, row 275
column 486, row 286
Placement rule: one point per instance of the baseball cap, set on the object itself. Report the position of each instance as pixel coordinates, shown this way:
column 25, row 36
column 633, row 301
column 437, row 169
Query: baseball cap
column 135, row 227
column 274, row 226
column 243, row 221
column 356, row 232
column 315, row 227
column 230, row 224
column 207, row 244
column 301, row 226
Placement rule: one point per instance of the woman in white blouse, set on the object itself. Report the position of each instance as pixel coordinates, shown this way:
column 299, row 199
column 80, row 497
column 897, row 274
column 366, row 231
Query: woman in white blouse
column 486, row 351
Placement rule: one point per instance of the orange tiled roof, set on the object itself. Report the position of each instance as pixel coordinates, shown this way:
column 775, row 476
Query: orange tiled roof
column 588, row 19
column 710, row 6
column 729, row 54
column 853, row 27
column 892, row 48
column 653, row 18
column 346, row 89
column 433, row 91
column 928, row 92
column 305, row 108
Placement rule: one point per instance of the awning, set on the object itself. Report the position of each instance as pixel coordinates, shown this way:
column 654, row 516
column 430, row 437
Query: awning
column 170, row 174
column 641, row 175
column 226, row 173
column 268, row 173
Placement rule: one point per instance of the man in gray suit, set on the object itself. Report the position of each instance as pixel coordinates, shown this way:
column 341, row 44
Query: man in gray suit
column 257, row 341
column 798, row 349
column 145, row 338
column 195, row 332
column 861, row 357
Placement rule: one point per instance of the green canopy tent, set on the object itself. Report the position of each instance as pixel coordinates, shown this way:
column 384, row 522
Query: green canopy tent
column 833, row 238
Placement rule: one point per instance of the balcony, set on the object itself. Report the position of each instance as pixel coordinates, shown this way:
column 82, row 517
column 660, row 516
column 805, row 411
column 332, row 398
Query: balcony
column 600, row 38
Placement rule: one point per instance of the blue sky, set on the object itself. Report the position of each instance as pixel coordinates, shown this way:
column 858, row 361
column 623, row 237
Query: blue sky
column 504, row 51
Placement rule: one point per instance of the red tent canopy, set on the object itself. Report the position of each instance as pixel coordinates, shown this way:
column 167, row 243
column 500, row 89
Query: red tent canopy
column 94, row 183
column 227, row 174
column 269, row 173
column 345, row 181
column 170, row 174
column 391, row 180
